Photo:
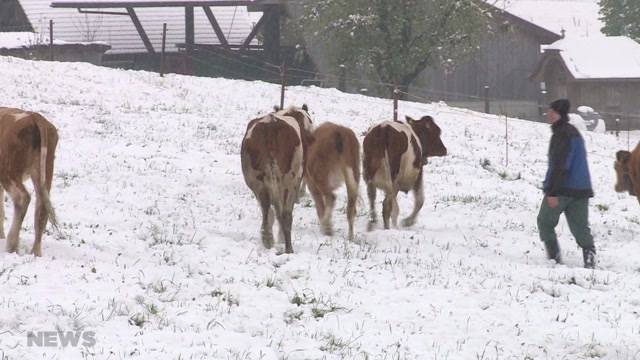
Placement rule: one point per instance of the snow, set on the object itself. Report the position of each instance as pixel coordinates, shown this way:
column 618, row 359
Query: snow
column 600, row 58
column 18, row 40
column 160, row 252
column 579, row 18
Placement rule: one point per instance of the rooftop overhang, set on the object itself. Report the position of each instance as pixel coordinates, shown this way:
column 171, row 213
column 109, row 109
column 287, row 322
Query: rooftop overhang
column 543, row 35
column 111, row 4
column 547, row 57
column 97, row 6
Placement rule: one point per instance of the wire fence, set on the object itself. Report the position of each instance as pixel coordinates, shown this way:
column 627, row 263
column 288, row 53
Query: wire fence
column 225, row 62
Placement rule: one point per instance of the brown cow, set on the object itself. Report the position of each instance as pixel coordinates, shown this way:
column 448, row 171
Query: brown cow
column 27, row 149
column 272, row 159
column 333, row 159
column 627, row 166
column 394, row 154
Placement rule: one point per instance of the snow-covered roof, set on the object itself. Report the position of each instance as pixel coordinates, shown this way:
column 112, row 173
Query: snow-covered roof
column 600, row 57
column 121, row 34
column 19, row 40
column 578, row 18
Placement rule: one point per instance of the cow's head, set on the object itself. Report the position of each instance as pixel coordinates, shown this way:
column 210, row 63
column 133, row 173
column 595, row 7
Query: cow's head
column 622, row 166
column 429, row 134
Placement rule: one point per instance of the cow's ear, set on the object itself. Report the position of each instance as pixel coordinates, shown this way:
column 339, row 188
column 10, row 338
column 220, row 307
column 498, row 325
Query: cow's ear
column 409, row 119
column 305, row 107
column 623, row 156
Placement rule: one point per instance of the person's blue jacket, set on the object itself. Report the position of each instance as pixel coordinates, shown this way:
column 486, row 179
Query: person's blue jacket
column 568, row 173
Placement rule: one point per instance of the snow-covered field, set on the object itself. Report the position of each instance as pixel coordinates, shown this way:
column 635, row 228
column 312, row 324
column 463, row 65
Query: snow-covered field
column 160, row 254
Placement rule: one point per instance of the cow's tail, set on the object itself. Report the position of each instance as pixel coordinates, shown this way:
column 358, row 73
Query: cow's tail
column 42, row 190
column 272, row 180
column 349, row 159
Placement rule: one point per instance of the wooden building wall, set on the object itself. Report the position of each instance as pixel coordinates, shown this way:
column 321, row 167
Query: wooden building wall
column 611, row 98
column 504, row 61
column 12, row 17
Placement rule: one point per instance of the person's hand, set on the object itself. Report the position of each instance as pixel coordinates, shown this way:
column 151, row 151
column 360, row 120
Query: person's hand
column 552, row 201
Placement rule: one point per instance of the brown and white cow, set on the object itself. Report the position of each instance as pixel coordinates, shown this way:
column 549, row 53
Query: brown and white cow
column 27, row 149
column 272, row 157
column 394, row 154
column 627, row 166
column 333, row 159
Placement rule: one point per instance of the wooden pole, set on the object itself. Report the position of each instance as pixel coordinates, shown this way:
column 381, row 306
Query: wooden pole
column 629, row 134
column 51, row 57
column 283, row 76
column 189, row 34
column 396, row 94
column 342, row 82
column 506, row 140
column 487, row 105
column 162, row 54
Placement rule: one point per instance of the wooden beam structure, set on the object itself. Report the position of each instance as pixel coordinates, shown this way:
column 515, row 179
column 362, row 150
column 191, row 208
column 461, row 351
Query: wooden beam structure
column 269, row 24
column 216, row 26
column 271, row 32
column 148, row 4
column 253, row 33
column 190, row 33
column 140, row 29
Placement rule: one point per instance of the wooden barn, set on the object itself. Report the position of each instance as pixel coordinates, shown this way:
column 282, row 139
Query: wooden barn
column 134, row 29
column 504, row 61
column 600, row 72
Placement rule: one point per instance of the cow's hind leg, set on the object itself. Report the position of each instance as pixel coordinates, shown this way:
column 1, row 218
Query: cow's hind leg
column 390, row 210
column 352, row 198
column 329, row 203
column 318, row 199
column 373, row 216
column 267, row 218
column 41, row 216
column 285, row 218
column 21, row 199
column 418, row 193
column 1, row 213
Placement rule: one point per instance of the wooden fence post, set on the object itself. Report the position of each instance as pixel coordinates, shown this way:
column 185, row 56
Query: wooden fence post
column 162, row 54
column 51, row 57
column 487, row 104
column 342, row 81
column 396, row 94
column 506, row 139
column 283, row 77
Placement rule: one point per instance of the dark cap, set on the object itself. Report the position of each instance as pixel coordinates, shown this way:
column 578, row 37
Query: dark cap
column 561, row 106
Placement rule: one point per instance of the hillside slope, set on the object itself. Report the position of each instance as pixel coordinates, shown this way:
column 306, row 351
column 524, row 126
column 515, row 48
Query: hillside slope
column 160, row 254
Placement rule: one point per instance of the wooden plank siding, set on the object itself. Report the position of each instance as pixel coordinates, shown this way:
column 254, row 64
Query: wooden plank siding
column 504, row 62
column 121, row 34
column 12, row 17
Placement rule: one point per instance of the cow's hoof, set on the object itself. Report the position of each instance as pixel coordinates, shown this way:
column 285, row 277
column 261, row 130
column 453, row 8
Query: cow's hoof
column 267, row 241
column 408, row 222
column 371, row 226
column 327, row 230
column 36, row 252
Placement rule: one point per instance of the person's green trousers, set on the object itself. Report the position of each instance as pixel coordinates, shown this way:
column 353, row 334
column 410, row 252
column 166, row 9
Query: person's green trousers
column 576, row 210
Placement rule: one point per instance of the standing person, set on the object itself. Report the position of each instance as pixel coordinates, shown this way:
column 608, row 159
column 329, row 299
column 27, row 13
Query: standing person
column 567, row 186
